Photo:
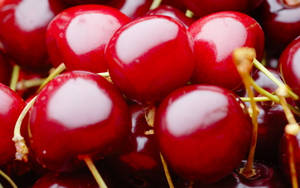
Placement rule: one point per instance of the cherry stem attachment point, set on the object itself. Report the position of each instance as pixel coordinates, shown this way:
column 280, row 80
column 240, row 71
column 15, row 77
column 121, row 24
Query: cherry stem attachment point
column 166, row 170
column 189, row 14
column 8, row 179
column 26, row 84
column 52, row 75
column 243, row 58
column 14, row 77
column 21, row 148
column 150, row 115
column 155, row 4
column 263, row 69
column 90, row 164
column 105, row 75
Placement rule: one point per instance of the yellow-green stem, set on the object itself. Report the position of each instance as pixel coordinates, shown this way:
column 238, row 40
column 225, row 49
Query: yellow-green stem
column 8, row 179
column 14, row 77
column 167, row 173
column 26, row 84
column 155, row 4
column 189, row 14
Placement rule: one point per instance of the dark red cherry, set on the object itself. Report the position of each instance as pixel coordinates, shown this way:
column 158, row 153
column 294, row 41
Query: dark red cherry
column 215, row 37
column 74, row 180
column 150, row 57
column 139, row 163
column 280, row 22
column 11, row 106
column 205, row 7
column 77, row 113
column 174, row 3
column 166, row 10
column 289, row 63
column 203, row 132
column 23, row 26
column 5, row 70
column 78, row 36
column 132, row 8
column 80, row 2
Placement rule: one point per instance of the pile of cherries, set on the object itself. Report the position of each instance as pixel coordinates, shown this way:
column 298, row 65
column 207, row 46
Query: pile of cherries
column 143, row 93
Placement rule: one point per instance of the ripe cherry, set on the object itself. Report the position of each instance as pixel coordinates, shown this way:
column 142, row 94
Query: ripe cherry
column 78, row 36
column 289, row 65
column 215, row 37
column 166, row 10
column 280, row 22
column 23, row 26
column 132, row 8
column 11, row 106
column 150, row 57
column 205, row 7
column 139, row 163
column 74, row 180
column 203, row 132
column 77, row 113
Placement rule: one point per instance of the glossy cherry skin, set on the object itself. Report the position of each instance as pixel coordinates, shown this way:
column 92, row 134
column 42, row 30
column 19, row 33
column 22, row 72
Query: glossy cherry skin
column 132, row 8
column 280, row 22
column 78, row 36
column 166, row 10
column 205, row 7
column 196, row 133
column 150, row 57
column 23, row 26
column 290, row 66
column 77, row 113
column 215, row 37
column 80, row 2
column 74, row 180
column 139, row 163
column 5, row 70
column 11, row 106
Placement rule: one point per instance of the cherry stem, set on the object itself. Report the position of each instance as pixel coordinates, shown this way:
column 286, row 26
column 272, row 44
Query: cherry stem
column 189, row 14
column 243, row 58
column 257, row 99
column 105, row 75
column 166, row 170
column 14, row 77
column 150, row 115
column 155, row 4
column 52, row 75
column 26, row 84
column 292, row 129
column 8, row 179
column 21, row 148
column 263, row 69
column 90, row 164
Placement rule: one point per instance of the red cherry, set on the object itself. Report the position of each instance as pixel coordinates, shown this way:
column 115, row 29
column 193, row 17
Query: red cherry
column 150, row 57
column 289, row 65
column 132, row 8
column 139, row 162
column 166, row 10
column 77, row 113
column 215, row 37
column 280, row 22
column 5, row 70
column 175, row 3
column 80, row 2
column 205, row 7
column 23, row 28
column 78, row 36
column 11, row 106
column 74, row 180
column 203, row 132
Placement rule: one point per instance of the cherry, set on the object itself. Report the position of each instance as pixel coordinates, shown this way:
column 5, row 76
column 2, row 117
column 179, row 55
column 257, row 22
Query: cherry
column 5, row 69
column 74, row 180
column 132, row 8
column 79, row 2
column 196, row 133
column 205, row 7
column 150, row 57
column 77, row 113
column 23, row 27
column 139, row 163
column 175, row 3
column 280, row 22
column 166, row 10
column 78, row 36
column 11, row 106
column 289, row 65
column 215, row 37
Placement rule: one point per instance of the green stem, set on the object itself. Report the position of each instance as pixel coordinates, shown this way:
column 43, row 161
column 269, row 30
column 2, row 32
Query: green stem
column 166, row 170
column 189, row 14
column 8, row 179
column 155, row 4
column 263, row 69
column 26, row 84
column 14, row 77
column 256, row 99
